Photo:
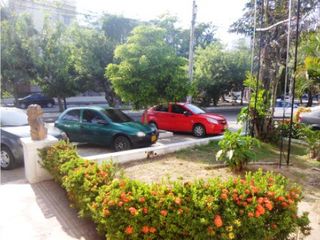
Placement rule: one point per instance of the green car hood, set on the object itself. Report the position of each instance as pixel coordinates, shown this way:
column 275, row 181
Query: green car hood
column 136, row 126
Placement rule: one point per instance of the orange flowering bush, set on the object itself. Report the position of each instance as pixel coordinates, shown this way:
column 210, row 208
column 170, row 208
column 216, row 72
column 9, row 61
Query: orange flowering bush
column 259, row 206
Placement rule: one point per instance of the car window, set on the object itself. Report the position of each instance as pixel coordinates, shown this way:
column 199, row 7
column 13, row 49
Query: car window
column 117, row 115
column 161, row 108
column 195, row 109
column 90, row 116
column 73, row 115
column 11, row 118
column 177, row 109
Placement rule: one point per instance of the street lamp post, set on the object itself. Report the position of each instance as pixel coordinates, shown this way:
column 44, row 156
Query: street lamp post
column 191, row 45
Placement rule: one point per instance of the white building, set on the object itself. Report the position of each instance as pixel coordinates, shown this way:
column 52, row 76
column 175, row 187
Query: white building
column 57, row 10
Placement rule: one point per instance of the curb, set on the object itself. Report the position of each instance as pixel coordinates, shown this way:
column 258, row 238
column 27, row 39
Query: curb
column 149, row 152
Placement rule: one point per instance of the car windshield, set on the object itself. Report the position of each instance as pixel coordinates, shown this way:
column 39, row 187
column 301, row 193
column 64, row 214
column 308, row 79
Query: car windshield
column 195, row 109
column 117, row 116
column 13, row 118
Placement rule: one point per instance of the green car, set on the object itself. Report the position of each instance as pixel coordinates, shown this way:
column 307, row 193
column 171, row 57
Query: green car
column 105, row 126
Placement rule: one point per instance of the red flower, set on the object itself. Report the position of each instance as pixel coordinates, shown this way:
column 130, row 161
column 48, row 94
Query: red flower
column 257, row 213
column 260, row 200
column 133, row 211
column 152, row 229
column 164, row 212
column 247, row 191
column 128, row 230
column 224, row 196
column 250, row 214
column 260, row 209
column 145, row 210
column 218, row 221
column 142, row 200
column 177, row 201
column 270, row 194
column 249, row 200
column 145, row 229
column 269, row 206
column 120, row 204
column 106, row 212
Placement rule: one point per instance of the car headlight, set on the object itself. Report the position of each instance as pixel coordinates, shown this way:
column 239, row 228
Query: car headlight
column 141, row 134
column 212, row 120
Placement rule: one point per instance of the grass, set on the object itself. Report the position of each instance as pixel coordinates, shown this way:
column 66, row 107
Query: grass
column 203, row 153
column 266, row 153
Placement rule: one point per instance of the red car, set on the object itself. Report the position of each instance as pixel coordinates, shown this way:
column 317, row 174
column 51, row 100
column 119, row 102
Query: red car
column 185, row 117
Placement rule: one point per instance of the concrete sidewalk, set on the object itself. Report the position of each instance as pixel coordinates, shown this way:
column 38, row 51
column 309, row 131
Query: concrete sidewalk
column 39, row 211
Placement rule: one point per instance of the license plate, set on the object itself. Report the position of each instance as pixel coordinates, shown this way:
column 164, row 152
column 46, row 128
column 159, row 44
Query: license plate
column 153, row 138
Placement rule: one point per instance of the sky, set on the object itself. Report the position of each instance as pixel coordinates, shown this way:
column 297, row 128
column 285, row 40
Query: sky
column 222, row 13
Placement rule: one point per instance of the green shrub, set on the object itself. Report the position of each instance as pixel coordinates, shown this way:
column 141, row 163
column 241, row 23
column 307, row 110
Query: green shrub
column 236, row 149
column 260, row 206
column 312, row 138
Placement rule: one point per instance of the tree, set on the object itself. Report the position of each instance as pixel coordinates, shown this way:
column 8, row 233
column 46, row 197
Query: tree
column 92, row 51
column 179, row 38
column 238, row 61
column 217, row 71
column 55, row 64
column 17, row 49
column 117, row 28
column 148, row 71
column 273, row 42
column 212, row 78
column 308, row 73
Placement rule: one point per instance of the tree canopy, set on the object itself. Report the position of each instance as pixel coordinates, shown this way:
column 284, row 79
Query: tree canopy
column 17, row 50
column 55, row 63
column 147, row 69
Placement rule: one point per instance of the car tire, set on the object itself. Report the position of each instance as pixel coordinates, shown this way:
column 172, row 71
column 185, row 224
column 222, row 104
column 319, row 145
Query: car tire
column 121, row 143
column 199, row 130
column 7, row 160
column 23, row 105
column 49, row 105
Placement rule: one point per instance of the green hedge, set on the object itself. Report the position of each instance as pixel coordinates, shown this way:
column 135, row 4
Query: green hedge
column 259, row 206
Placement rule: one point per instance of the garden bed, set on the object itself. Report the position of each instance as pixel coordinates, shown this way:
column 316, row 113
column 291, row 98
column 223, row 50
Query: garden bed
column 143, row 204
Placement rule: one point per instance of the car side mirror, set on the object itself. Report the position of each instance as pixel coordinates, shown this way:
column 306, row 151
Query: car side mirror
column 187, row 113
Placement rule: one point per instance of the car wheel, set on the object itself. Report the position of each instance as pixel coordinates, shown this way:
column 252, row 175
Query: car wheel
column 23, row 105
column 7, row 159
column 49, row 105
column 121, row 143
column 199, row 130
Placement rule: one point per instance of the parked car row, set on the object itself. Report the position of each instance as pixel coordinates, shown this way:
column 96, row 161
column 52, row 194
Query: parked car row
column 107, row 126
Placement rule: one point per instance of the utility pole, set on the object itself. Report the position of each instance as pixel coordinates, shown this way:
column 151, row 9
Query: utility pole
column 191, row 45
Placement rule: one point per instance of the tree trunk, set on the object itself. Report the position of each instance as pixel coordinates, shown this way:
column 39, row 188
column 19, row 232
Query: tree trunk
column 60, row 104
column 110, row 96
column 241, row 100
column 65, row 103
column 309, row 104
